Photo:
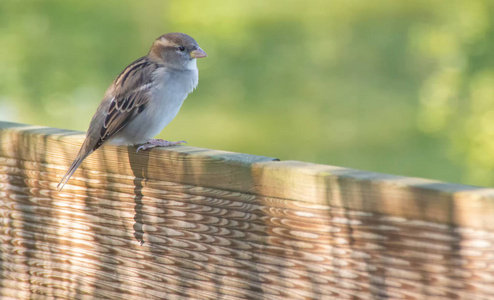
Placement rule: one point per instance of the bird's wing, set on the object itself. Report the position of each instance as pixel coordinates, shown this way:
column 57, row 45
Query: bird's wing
column 128, row 96
column 123, row 101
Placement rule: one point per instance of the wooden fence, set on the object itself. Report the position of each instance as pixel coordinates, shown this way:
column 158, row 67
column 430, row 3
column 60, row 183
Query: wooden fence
column 222, row 225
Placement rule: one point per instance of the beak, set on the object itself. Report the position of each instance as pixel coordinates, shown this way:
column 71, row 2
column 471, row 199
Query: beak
column 198, row 53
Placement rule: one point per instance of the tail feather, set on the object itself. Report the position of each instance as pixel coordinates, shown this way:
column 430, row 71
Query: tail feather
column 73, row 167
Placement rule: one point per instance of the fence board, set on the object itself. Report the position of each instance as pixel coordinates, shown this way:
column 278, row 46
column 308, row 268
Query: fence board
column 222, row 225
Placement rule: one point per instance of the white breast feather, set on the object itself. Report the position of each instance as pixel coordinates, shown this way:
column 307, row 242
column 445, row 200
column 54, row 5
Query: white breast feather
column 168, row 92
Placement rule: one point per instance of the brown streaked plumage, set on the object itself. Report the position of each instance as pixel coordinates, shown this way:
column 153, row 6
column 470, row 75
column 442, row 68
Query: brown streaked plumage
column 144, row 98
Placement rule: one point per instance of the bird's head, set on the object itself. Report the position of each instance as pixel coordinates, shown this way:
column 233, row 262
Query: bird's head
column 177, row 50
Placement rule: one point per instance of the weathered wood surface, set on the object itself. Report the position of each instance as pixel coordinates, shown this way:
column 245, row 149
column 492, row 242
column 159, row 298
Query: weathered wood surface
column 221, row 225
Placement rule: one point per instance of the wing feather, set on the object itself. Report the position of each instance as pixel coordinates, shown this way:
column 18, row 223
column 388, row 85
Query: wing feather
column 123, row 101
column 129, row 95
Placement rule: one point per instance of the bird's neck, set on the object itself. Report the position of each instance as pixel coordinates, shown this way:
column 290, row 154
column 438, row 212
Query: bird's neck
column 190, row 65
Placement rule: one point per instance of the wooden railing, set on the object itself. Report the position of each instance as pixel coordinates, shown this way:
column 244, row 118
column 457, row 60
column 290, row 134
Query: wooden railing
column 222, row 225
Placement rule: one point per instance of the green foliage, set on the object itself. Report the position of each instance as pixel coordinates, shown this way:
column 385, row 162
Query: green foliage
column 403, row 87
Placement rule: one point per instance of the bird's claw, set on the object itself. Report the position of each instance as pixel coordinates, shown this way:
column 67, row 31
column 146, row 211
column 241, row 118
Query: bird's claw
column 159, row 143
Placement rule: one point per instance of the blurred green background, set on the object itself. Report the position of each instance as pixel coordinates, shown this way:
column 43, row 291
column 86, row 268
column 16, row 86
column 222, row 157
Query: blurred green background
column 401, row 87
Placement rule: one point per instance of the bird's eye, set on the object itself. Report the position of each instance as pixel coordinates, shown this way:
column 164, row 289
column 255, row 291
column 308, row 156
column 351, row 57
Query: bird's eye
column 181, row 48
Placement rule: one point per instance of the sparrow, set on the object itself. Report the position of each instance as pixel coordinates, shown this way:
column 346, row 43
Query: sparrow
column 144, row 98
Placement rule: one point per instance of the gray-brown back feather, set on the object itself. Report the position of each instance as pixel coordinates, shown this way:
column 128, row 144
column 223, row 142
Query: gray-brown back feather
column 123, row 101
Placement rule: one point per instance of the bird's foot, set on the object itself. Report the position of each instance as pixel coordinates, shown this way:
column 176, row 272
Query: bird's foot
column 152, row 143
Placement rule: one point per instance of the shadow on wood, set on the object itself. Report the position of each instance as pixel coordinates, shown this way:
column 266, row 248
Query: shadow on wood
column 222, row 225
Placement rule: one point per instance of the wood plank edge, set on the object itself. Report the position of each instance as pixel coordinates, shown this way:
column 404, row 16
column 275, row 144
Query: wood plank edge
column 408, row 197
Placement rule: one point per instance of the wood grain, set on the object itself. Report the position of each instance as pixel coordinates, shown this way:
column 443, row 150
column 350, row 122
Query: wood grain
column 319, row 184
column 221, row 225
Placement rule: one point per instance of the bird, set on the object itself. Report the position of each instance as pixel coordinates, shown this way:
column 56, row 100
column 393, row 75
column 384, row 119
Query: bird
column 144, row 98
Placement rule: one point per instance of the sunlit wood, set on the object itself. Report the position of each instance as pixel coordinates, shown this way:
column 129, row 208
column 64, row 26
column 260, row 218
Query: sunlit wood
column 222, row 225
